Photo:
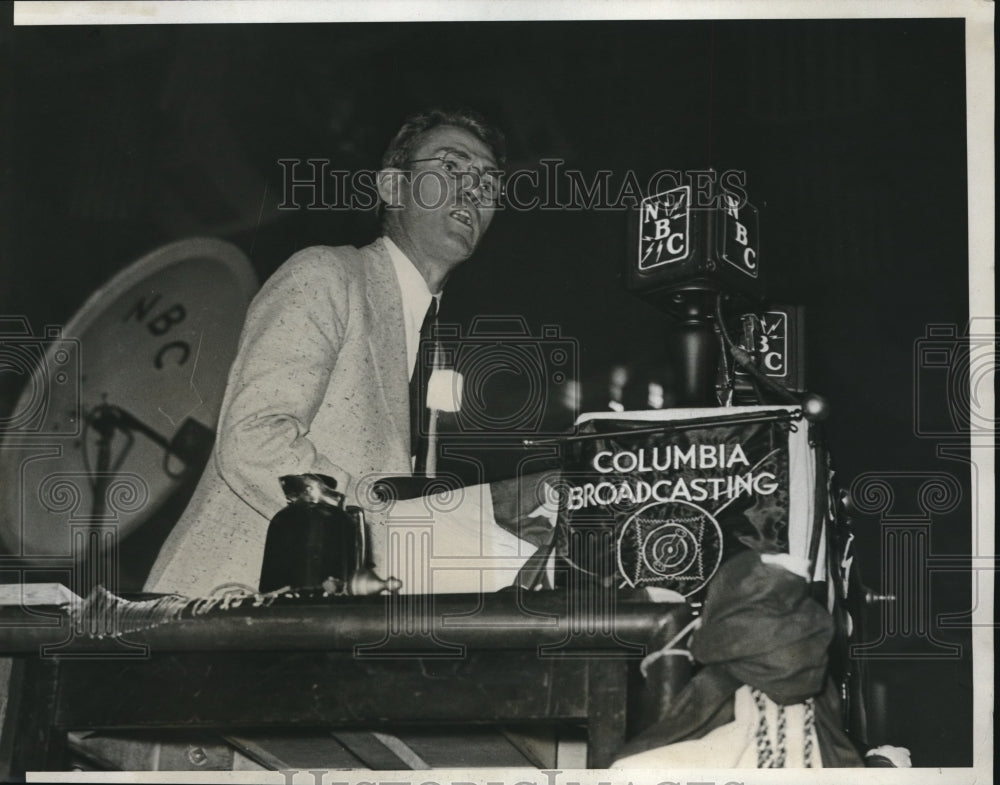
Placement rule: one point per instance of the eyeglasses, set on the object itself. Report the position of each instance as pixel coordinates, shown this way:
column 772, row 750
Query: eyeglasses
column 460, row 168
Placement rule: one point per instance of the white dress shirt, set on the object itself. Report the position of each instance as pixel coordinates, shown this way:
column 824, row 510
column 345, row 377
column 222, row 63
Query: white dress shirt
column 416, row 298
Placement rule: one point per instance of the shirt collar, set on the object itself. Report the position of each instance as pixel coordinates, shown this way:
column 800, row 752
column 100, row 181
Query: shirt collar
column 412, row 286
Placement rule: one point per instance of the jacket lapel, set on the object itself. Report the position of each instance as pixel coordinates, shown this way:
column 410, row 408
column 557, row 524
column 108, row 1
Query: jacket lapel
column 387, row 337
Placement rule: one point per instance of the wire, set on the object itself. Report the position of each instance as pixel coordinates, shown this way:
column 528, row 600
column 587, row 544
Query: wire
column 727, row 341
column 724, row 395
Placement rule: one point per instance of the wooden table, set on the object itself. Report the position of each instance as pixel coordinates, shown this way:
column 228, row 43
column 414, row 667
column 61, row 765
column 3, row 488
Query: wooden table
column 338, row 663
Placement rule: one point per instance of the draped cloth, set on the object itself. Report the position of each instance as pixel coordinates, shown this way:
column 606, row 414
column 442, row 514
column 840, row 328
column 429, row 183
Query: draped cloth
column 759, row 628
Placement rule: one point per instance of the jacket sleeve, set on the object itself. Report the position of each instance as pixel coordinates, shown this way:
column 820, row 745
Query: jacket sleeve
column 291, row 339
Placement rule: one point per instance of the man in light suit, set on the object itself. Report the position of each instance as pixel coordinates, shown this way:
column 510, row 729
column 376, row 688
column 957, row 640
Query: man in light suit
column 321, row 379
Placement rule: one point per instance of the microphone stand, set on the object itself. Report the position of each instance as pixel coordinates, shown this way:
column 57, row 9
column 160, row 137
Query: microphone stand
column 107, row 420
column 694, row 348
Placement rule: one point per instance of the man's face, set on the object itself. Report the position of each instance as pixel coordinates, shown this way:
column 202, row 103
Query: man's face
column 442, row 214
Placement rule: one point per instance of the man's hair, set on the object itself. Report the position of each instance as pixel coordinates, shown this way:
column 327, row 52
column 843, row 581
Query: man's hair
column 401, row 147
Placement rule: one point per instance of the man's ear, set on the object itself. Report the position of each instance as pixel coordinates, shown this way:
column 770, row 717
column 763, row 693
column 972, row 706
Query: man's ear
column 390, row 187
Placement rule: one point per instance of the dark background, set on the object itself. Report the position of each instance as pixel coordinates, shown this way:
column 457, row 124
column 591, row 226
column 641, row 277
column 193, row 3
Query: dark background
column 852, row 135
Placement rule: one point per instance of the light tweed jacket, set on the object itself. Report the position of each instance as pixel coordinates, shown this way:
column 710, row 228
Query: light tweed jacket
column 319, row 384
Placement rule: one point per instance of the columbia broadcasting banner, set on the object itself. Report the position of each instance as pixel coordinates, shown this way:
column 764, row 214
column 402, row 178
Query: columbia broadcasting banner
column 662, row 498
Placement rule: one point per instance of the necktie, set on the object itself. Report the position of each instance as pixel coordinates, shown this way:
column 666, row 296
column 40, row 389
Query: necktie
column 419, row 414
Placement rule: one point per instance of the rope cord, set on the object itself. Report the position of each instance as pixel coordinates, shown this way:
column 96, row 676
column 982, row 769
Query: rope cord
column 767, row 756
column 668, row 649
